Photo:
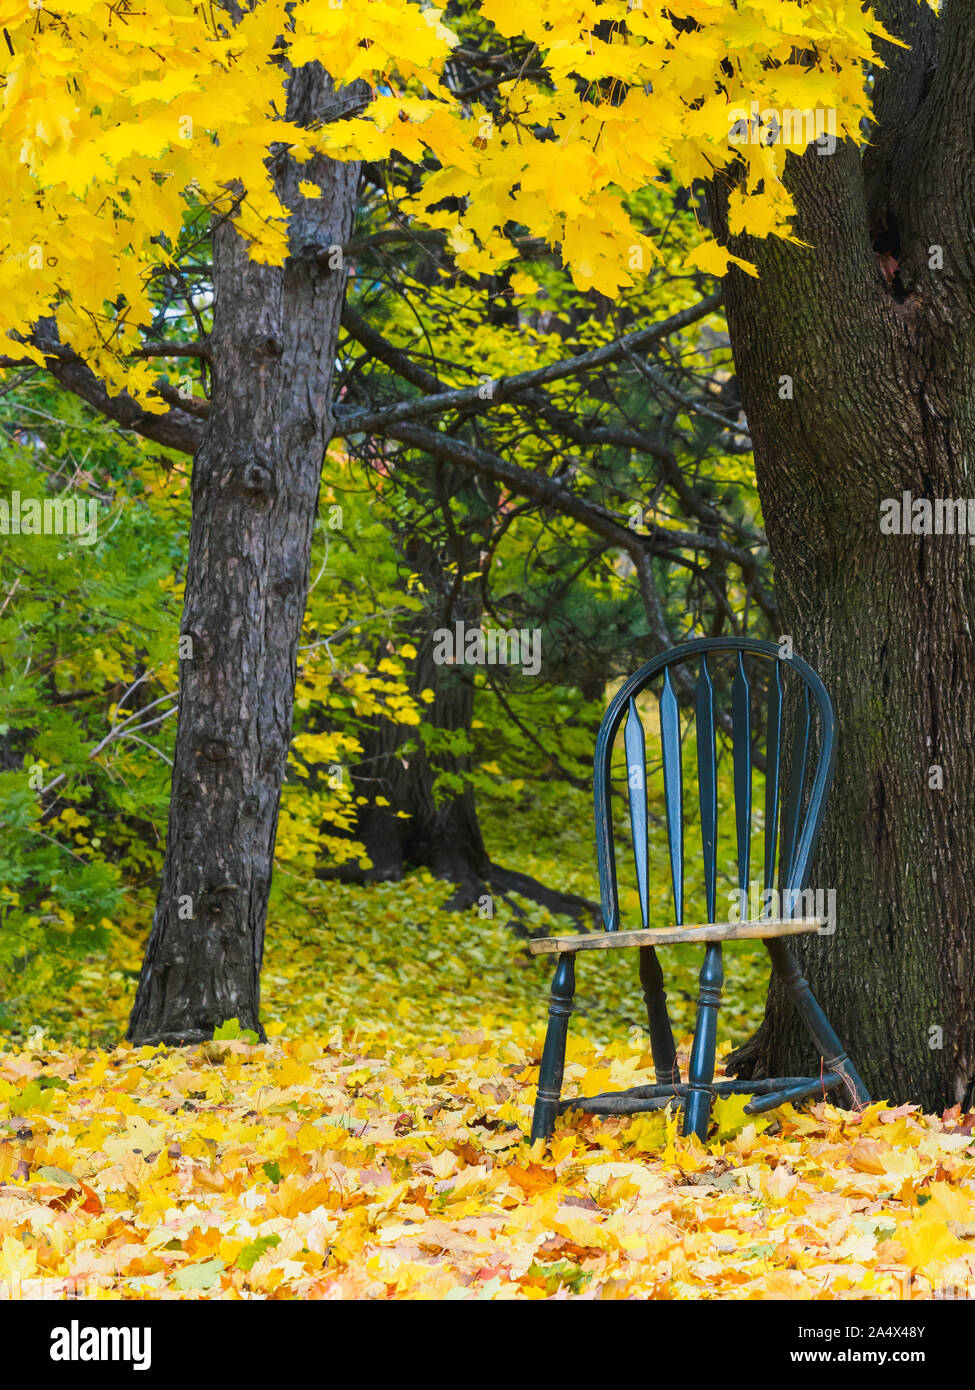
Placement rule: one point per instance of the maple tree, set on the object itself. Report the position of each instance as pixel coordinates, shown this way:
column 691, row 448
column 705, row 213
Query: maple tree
column 506, row 138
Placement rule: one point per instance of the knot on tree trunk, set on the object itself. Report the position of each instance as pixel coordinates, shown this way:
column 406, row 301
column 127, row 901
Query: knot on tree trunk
column 269, row 345
column 255, row 478
column 216, row 902
column 215, row 750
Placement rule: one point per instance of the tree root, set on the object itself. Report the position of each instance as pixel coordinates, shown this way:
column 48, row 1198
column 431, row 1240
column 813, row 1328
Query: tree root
column 497, row 882
column 586, row 914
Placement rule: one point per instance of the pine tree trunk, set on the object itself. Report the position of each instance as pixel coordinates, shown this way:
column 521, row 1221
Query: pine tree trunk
column 882, row 372
column 255, row 496
column 442, row 834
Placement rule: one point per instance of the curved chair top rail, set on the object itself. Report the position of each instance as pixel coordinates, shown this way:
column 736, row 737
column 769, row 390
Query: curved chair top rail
column 799, row 832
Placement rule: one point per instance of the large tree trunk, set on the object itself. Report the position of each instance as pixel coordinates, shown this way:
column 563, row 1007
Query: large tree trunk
column 880, row 346
column 255, row 496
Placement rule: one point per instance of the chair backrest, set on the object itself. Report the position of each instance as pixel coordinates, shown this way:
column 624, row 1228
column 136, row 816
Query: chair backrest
column 796, row 829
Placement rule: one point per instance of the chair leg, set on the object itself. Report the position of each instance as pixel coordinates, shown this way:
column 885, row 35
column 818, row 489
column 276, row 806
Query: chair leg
column 827, row 1043
column 661, row 1033
column 700, row 1071
column 553, row 1054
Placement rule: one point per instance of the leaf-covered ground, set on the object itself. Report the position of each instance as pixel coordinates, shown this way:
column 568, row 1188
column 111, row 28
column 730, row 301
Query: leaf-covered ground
column 382, row 1165
column 375, row 1147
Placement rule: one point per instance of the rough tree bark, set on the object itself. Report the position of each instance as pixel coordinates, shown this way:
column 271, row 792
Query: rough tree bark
column 255, row 497
column 879, row 342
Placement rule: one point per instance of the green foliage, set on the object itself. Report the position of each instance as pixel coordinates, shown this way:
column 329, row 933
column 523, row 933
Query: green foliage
column 199, row 1277
column 560, row 1274
column 34, row 1098
column 231, row 1030
column 87, row 641
column 251, row 1253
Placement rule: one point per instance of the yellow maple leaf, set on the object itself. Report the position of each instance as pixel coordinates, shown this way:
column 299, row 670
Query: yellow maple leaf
column 927, row 1241
column 523, row 283
column 714, row 259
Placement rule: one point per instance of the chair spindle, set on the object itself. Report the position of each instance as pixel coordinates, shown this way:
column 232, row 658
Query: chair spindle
column 636, row 781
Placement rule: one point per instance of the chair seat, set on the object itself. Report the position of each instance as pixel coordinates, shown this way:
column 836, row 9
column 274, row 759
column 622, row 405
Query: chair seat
column 668, row 936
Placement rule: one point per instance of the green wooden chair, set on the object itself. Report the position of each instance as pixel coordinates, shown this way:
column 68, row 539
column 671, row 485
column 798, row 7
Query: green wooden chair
column 795, row 831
